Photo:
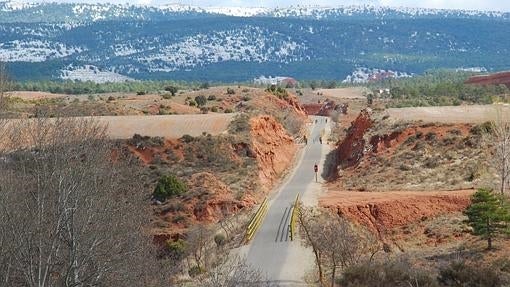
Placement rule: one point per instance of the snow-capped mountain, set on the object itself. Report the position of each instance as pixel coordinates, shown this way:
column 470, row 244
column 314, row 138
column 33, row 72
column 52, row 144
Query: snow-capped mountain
column 43, row 40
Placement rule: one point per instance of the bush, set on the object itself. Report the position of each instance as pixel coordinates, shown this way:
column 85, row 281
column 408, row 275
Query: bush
column 201, row 100
column 386, row 274
column 168, row 186
column 141, row 93
column 431, row 136
column 228, row 111
column 187, row 138
column 166, row 96
column 176, row 249
column 192, row 103
column 461, row 274
column 214, row 109
column 231, row 91
column 220, row 239
column 195, row 271
column 172, row 89
column 240, row 123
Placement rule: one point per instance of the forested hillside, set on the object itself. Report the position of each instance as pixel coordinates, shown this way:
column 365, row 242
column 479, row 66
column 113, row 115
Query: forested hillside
column 119, row 43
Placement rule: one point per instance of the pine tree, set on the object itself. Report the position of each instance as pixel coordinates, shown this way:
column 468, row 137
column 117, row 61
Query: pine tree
column 488, row 215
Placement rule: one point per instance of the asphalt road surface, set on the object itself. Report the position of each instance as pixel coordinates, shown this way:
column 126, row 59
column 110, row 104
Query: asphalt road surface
column 279, row 259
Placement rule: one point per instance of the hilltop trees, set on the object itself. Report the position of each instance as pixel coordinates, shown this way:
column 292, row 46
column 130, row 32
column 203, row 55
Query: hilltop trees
column 488, row 215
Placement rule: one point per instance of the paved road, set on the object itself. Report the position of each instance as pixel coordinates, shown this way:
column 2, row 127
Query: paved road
column 271, row 251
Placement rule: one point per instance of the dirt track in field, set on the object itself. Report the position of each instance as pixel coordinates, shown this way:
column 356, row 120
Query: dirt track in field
column 452, row 114
column 168, row 126
column 171, row 126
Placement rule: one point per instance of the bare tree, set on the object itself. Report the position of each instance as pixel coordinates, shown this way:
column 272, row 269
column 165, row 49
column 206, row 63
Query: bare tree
column 501, row 132
column 498, row 137
column 337, row 244
column 232, row 271
column 307, row 219
column 69, row 210
column 5, row 85
column 199, row 240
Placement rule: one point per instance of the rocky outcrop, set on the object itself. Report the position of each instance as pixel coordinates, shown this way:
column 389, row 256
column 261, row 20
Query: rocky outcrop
column 350, row 150
column 383, row 211
column 273, row 147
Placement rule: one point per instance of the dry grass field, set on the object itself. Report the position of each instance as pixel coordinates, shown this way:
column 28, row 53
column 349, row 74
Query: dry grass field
column 475, row 114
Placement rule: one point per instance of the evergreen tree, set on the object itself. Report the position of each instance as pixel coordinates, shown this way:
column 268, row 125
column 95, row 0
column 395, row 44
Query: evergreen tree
column 488, row 215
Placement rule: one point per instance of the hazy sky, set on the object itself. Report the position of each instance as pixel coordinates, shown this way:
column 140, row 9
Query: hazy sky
column 500, row 5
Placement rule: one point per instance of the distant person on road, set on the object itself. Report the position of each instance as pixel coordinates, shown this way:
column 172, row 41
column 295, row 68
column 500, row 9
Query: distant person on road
column 320, row 140
column 316, row 170
column 305, row 139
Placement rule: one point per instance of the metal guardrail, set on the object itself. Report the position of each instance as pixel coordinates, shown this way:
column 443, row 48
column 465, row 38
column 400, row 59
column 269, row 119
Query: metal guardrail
column 256, row 221
column 293, row 218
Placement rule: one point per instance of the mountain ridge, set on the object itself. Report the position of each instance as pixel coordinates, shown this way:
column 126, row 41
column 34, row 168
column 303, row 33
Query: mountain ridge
column 41, row 42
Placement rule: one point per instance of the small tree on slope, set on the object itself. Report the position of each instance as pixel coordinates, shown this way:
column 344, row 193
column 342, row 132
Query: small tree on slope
column 488, row 215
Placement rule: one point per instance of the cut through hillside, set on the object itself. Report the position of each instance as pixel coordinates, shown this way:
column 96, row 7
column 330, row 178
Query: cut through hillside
column 226, row 173
column 379, row 154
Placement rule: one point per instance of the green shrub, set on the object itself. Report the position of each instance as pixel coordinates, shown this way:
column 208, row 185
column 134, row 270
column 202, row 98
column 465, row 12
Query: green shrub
column 228, row 111
column 211, row 98
column 214, row 109
column 167, row 186
column 172, row 89
column 141, row 93
column 192, row 103
column 201, row 100
column 176, row 249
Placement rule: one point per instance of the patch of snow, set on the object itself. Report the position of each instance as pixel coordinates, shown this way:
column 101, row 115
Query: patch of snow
column 92, row 73
column 263, row 80
column 237, row 11
column 35, row 51
column 472, row 69
column 366, row 75
column 250, row 44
